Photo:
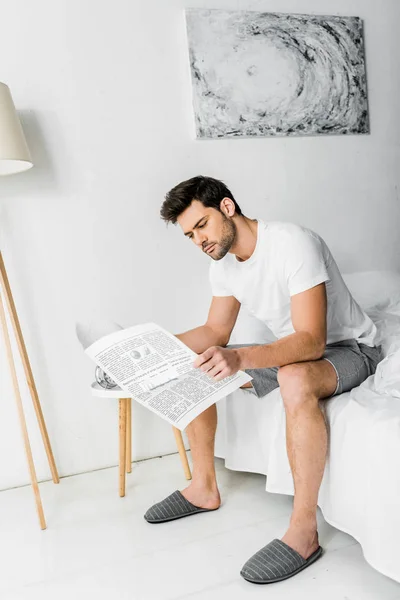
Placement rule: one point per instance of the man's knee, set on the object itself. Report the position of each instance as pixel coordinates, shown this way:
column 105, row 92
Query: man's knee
column 296, row 385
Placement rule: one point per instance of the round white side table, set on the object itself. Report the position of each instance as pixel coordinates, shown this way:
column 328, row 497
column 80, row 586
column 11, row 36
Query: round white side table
column 125, row 434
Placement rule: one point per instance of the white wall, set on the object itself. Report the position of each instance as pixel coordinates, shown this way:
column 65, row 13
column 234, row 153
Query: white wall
column 103, row 90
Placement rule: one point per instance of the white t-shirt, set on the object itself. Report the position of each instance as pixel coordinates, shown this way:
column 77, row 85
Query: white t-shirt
column 289, row 259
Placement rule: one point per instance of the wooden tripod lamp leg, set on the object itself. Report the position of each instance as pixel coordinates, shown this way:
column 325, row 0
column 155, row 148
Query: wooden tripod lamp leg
column 24, row 429
column 27, row 368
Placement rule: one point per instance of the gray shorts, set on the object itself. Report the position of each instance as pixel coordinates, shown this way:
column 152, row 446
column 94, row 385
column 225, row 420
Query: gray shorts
column 353, row 363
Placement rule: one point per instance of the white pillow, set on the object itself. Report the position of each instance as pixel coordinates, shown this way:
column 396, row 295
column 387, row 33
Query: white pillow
column 378, row 293
column 370, row 288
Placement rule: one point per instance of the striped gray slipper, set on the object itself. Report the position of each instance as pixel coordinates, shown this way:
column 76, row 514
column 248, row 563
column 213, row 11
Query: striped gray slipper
column 173, row 507
column 275, row 562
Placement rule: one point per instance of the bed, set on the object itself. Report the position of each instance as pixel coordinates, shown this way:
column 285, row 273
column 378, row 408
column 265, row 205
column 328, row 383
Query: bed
column 360, row 490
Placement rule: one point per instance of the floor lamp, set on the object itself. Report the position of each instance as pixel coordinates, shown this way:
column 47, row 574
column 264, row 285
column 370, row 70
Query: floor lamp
column 14, row 158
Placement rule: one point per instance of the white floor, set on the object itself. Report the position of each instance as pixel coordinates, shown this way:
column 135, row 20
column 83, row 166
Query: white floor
column 97, row 545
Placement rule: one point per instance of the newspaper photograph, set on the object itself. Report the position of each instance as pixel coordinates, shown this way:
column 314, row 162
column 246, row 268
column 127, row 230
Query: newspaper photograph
column 156, row 369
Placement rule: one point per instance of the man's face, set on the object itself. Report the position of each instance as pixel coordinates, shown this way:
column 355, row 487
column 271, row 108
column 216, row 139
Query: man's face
column 208, row 228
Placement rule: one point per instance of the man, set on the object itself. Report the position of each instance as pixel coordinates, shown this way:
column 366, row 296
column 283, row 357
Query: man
column 286, row 276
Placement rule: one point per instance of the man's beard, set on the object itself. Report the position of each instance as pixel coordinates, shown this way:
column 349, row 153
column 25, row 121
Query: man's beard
column 228, row 237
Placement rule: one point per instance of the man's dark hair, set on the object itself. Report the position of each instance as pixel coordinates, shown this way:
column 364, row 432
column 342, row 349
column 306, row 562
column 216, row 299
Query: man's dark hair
column 207, row 190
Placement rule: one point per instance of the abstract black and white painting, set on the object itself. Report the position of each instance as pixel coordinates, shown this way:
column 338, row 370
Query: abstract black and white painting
column 274, row 74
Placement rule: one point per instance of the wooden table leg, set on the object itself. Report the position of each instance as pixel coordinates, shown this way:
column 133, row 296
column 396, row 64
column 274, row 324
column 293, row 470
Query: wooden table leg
column 122, row 445
column 182, row 452
column 129, row 435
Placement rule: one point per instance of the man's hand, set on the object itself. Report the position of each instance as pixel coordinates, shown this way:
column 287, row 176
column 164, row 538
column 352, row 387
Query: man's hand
column 218, row 362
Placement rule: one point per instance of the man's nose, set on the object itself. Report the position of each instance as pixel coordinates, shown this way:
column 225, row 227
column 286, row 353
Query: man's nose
column 199, row 239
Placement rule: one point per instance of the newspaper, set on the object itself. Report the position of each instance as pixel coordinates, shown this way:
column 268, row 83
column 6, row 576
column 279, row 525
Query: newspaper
column 156, row 369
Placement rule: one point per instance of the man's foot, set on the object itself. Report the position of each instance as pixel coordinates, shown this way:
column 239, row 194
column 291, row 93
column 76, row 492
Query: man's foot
column 275, row 562
column 202, row 497
column 174, row 506
column 281, row 559
column 303, row 539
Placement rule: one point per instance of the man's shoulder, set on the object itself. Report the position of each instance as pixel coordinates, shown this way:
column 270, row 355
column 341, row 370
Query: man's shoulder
column 283, row 232
column 288, row 226
column 290, row 241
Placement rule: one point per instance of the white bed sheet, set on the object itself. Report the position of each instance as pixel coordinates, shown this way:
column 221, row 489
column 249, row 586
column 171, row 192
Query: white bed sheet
column 360, row 491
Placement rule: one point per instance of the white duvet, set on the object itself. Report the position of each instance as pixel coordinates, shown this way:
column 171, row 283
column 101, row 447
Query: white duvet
column 360, row 491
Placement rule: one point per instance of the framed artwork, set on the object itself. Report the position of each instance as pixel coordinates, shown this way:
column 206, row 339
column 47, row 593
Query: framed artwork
column 273, row 74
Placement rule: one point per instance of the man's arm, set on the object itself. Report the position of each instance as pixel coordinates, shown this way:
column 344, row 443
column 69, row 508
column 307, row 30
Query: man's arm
column 218, row 328
column 308, row 312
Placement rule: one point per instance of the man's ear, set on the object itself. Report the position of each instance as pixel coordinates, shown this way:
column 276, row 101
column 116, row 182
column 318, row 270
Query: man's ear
column 227, row 207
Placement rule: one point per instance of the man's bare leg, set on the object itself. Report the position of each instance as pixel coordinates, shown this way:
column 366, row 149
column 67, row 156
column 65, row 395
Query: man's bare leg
column 203, row 490
column 302, row 385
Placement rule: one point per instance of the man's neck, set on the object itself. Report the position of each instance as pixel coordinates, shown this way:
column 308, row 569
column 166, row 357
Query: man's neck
column 246, row 240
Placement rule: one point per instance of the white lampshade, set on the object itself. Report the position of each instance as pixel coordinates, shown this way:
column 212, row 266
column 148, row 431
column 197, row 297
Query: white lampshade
column 14, row 151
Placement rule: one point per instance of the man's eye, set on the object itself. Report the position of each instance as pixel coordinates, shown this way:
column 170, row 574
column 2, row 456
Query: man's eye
column 203, row 224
